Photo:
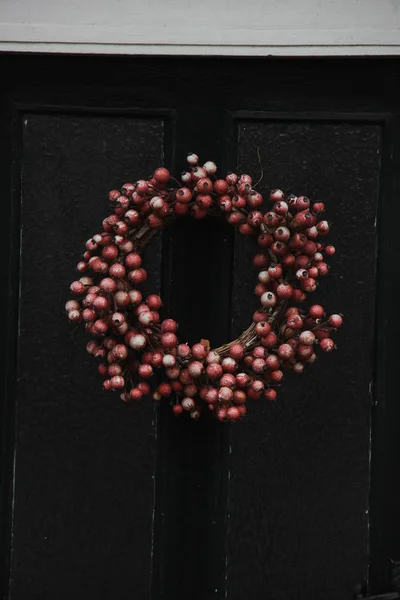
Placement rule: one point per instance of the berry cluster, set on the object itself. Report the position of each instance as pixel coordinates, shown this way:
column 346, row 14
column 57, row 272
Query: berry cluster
column 132, row 342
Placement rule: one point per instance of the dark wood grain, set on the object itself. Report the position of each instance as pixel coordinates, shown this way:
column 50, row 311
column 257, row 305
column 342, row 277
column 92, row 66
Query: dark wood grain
column 299, row 473
column 191, row 490
column 88, row 469
column 84, row 462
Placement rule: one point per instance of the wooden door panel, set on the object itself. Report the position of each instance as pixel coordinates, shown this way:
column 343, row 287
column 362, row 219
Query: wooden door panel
column 299, row 470
column 84, row 481
column 126, row 501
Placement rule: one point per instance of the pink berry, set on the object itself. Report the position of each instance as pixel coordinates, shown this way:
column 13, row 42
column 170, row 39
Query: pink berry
column 135, row 296
column 227, row 380
column 120, row 352
column 169, row 325
column 107, row 385
column 195, row 368
column 74, row 315
column 335, row 321
column 214, row 371
column 272, row 362
column 211, row 395
column 77, row 287
column 100, row 326
column 137, row 341
column 282, row 234
column 188, row 404
column 72, row 305
column 233, row 413
column 270, row 340
column 220, row 187
column 145, row 371
column 260, row 261
column 89, row 315
column 117, row 382
column 284, row 291
column 154, row 302
column 294, row 321
column 177, row 409
column 169, row 360
column 173, row 372
column 276, row 195
column 135, row 394
column 146, row 318
column 307, row 338
column 268, row 299
column 229, row 365
column 225, row 394
column 162, row 175
column 259, row 365
column 117, row 270
column 275, row 271
column 199, row 351
column 183, row 350
column 236, row 351
column 242, row 380
column 316, row 311
column 114, row 369
column 210, row 167
column 144, row 388
column 298, row 367
column 285, row 351
column 133, row 260
column 108, row 285
column 213, row 357
column 309, row 285
column 137, row 276
column 264, row 277
column 168, row 340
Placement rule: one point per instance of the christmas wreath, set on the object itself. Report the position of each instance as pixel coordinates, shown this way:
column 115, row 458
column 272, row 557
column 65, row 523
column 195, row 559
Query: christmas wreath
column 135, row 346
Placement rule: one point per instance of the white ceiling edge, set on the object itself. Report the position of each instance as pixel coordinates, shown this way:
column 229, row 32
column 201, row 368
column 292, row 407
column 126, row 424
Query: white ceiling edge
column 197, row 50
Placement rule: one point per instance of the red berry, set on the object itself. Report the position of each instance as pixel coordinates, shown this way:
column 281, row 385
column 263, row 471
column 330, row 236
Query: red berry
column 77, row 287
column 225, row 394
column 117, row 382
column 236, row 351
column 137, row 276
column 117, row 270
column 220, row 187
column 162, row 175
column 183, row 195
column 233, row 413
column 270, row 395
column 164, row 389
column 168, row 340
column 242, row 380
column 135, row 394
column 144, row 388
column 133, row 260
column 276, row 196
column 227, row 380
column 181, row 209
column 330, row 250
column 316, row 311
column 177, row 409
column 214, row 371
column 327, row 345
column 335, row 321
column 195, row 369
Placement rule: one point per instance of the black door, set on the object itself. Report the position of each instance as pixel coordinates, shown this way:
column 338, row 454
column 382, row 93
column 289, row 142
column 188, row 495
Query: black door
column 103, row 499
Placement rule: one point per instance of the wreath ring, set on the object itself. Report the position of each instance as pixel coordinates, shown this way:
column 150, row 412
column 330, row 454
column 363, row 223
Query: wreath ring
column 132, row 342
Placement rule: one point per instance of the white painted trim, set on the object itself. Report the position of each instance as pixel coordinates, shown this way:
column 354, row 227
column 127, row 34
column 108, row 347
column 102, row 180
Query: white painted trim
column 206, row 50
column 209, row 27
